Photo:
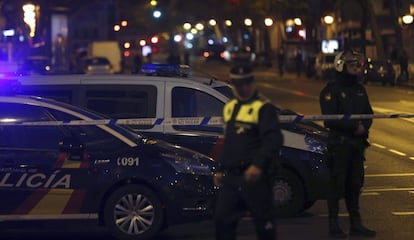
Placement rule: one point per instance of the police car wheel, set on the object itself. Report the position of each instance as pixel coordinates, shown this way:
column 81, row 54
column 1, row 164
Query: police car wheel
column 133, row 212
column 288, row 194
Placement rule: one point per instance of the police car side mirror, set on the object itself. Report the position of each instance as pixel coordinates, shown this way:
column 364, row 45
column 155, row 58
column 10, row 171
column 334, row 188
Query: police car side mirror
column 73, row 148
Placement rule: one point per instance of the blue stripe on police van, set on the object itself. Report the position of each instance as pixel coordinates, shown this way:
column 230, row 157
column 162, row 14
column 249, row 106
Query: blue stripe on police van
column 205, row 121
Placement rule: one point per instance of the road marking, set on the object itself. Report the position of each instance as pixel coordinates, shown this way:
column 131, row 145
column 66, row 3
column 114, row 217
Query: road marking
column 378, row 145
column 402, row 213
column 397, row 152
column 370, row 193
column 390, row 175
column 339, row 215
column 388, row 189
column 386, row 110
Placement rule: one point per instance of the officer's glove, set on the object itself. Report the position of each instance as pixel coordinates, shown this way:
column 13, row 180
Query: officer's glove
column 252, row 173
column 360, row 130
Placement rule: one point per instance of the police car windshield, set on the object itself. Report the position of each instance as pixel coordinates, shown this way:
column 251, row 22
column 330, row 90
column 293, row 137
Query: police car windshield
column 226, row 91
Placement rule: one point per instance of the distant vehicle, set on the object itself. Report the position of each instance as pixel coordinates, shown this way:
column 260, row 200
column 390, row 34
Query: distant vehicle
column 379, row 71
column 237, row 54
column 324, row 65
column 108, row 49
column 97, row 65
column 214, row 52
column 37, row 65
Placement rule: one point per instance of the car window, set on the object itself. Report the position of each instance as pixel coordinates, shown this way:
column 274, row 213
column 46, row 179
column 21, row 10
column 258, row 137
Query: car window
column 226, row 91
column 92, row 136
column 58, row 93
column 22, row 112
column 123, row 102
column 187, row 102
column 28, row 137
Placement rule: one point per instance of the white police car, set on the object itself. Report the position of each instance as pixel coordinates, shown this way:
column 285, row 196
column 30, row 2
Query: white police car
column 298, row 185
column 133, row 185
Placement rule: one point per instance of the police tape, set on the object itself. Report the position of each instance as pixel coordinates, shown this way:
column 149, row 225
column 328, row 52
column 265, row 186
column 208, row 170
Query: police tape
column 201, row 121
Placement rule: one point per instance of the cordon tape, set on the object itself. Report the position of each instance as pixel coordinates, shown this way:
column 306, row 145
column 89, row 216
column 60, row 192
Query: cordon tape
column 204, row 121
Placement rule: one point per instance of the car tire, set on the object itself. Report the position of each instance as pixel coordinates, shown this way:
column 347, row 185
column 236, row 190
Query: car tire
column 133, row 212
column 288, row 194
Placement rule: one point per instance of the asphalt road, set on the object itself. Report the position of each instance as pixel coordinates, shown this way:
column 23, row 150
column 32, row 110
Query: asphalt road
column 387, row 201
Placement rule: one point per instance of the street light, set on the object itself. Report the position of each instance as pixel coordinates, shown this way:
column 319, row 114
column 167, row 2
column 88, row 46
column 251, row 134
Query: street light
column 212, row 22
column 157, row 14
column 297, row 21
column 228, row 22
column 199, row 26
column 407, row 19
column 248, row 22
column 328, row 19
column 268, row 22
column 153, row 3
column 187, row 26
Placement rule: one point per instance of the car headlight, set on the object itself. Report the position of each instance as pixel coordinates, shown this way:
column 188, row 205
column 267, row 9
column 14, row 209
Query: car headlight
column 187, row 165
column 315, row 145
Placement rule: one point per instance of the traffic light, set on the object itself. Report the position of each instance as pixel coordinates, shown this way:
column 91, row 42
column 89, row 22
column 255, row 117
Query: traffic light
column 301, row 33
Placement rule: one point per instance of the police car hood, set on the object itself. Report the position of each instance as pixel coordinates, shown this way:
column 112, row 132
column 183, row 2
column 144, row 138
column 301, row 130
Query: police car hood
column 308, row 136
column 175, row 151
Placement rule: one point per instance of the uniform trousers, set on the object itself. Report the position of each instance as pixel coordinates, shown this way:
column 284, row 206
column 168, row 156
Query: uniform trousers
column 346, row 177
column 236, row 197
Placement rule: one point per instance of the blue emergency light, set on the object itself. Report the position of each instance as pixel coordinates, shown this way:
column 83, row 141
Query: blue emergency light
column 168, row 70
column 8, row 87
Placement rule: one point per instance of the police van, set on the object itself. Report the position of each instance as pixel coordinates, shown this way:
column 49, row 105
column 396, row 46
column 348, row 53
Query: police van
column 299, row 183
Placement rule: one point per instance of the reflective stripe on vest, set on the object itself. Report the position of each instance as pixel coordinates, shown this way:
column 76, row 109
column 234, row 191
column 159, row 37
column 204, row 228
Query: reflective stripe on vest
column 248, row 113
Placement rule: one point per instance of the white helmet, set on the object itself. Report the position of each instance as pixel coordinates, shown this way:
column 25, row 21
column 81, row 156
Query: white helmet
column 349, row 56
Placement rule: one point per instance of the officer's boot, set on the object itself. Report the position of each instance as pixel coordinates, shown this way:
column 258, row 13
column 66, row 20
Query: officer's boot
column 357, row 229
column 335, row 230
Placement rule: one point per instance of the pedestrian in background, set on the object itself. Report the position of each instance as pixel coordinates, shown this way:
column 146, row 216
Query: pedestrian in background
column 281, row 61
column 298, row 62
column 347, row 142
column 403, row 59
column 251, row 148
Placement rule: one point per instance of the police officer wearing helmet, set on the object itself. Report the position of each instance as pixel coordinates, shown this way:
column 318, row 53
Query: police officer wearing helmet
column 348, row 140
column 251, row 148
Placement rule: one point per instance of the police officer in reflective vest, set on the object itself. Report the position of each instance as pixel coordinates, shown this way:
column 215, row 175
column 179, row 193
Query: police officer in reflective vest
column 348, row 141
column 251, row 148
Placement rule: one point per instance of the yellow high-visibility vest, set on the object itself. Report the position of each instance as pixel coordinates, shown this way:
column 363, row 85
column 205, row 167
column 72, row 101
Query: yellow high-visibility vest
column 248, row 113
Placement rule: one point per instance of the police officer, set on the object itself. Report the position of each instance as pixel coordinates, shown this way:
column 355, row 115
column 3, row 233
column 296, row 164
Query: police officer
column 251, row 147
column 348, row 140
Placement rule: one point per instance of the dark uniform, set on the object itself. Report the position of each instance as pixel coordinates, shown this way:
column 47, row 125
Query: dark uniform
column 346, row 96
column 252, row 136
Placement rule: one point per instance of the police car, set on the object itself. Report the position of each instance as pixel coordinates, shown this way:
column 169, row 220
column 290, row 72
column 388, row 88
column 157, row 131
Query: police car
column 133, row 185
column 297, row 186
